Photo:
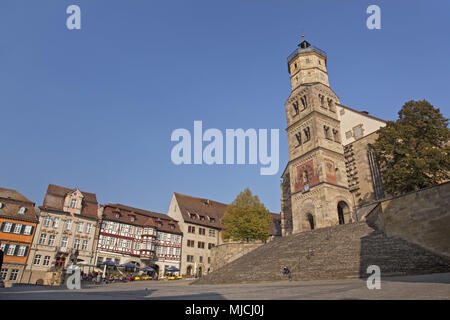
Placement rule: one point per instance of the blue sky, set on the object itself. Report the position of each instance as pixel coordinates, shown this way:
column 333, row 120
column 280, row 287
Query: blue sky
column 95, row 107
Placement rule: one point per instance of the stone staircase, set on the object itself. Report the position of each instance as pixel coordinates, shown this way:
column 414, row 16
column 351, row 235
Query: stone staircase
column 336, row 252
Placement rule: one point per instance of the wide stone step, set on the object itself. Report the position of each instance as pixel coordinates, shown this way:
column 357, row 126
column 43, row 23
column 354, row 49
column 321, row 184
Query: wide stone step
column 330, row 253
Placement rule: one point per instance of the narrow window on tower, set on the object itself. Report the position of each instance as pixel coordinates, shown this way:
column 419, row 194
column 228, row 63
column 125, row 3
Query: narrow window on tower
column 322, row 100
column 330, row 105
column 307, row 134
column 298, row 135
column 304, row 102
column 326, row 129
column 295, row 105
column 336, row 135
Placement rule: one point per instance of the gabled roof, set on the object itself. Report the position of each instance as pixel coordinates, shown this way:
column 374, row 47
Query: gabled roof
column 363, row 113
column 193, row 209
column 12, row 201
column 55, row 196
column 142, row 218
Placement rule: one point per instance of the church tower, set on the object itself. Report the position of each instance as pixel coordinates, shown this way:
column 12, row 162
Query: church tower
column 315, row 191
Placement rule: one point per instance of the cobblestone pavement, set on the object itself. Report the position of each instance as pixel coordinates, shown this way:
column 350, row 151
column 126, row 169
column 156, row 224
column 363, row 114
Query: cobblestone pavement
column 433, row 286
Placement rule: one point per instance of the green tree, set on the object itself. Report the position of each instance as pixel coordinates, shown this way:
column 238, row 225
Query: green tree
column 413, row 152
column 246, row 219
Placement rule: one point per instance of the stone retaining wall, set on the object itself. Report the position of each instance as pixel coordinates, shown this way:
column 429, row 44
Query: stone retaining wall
column 421, row 217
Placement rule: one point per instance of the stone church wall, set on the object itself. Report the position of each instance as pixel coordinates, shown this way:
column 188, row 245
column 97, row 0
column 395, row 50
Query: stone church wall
column 421, row 217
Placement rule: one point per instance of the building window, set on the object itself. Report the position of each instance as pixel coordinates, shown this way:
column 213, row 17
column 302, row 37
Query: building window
column 358, row 131
column 13, row 275
column 22, row 210
column 88, row 227
column 64, row 242
column 55, row 222
column 307, row 133
column 191, row 243
column 307, row 60
column 76, row 244
column 177, row 251
column 85, row 245
column 1, row 205
column 200, row 259
column 47, row 221
column 17, row 228
column 326, row 129
column 46, row 261
column 212, row 233
column 348, row 134
column 3, row 273
column 3, row 246
column 201, row 231
column 201, row 245
column 298, row 136
column 27, row 231
column 37, row 259
column 11, row 249
column 51, row 240
column 68, row 224
column 336, row 135
column 7, row 227
column 73, row 203
column 210, row 245
column 190, row 258
column 22, row 250
column 191, row 229
column 296, row 109
column 42, row 238
column 80, row 226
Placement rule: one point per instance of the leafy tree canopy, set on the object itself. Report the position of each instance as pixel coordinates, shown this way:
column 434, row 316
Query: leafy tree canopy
column 246, row 219
column 414, row 152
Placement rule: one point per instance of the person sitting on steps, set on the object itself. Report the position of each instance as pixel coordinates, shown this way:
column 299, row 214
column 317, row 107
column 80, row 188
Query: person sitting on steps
column 287, row 272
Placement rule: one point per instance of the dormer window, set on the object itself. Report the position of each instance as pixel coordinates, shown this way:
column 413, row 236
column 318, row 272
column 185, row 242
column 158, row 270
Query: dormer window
column 22, row 210
column 117, row 215
column 1, row 205
column 73, row 203
column 212, row 219
column 159, row 224
column 132, row 218
column 192, row 215
column 202, row 218
column 172, row 226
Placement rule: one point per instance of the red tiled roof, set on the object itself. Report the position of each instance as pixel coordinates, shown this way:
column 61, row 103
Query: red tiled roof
column 143, row 218
column 12, row 201
column 55, row 195
column 201, row 207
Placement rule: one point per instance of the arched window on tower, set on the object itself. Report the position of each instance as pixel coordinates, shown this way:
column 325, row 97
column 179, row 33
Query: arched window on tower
column 307, row 134
column 326, row 130
column 304, row 102
column 322, row 100
column 298, row 136
column 296, row 110
column 331, row 105
column 336, row 135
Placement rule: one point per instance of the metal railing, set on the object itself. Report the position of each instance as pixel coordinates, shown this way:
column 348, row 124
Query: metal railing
column 309, row 49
